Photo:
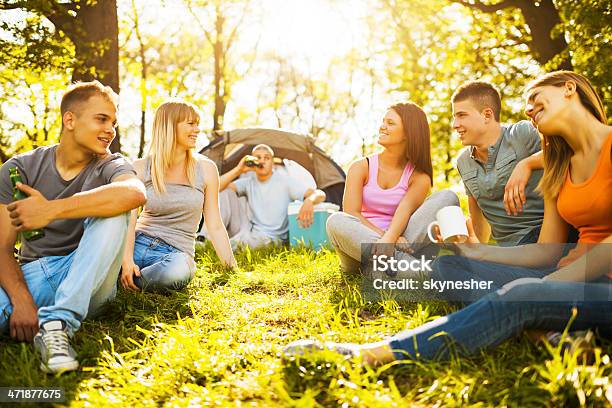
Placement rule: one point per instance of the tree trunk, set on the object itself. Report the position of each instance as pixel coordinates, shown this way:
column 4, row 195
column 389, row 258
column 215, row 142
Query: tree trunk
column 95, row 37
column 143, row 119
column 542, row 20
column 3, row 156
column 219, row 73
column 93, row 28
column 143, row 82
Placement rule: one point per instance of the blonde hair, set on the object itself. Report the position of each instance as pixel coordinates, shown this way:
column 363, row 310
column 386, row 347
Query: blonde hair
column 556, row 151
column 163, row 142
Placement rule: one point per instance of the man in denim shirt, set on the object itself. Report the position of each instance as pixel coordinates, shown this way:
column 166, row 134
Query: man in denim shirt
column 500, row 169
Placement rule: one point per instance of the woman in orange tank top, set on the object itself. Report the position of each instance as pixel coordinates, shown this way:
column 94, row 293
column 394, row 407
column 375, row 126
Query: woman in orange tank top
column 577, row 181
column 577, row 187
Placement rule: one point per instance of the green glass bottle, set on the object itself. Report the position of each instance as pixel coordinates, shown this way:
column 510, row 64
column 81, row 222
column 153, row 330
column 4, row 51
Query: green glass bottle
column 252, row 161
column 20, row 195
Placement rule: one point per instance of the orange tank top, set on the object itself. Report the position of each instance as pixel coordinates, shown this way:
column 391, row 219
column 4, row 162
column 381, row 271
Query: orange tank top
column 588, row 205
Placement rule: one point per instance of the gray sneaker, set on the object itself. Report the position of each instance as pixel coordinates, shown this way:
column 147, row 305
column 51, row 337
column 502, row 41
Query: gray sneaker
column 54, row 346
column 301, row 348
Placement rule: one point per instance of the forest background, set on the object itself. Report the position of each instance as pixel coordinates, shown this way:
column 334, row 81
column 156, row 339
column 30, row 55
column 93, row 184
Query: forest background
column 329, row 68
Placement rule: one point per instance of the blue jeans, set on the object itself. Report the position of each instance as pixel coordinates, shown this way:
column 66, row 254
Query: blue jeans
column 162, row 266
column 531, row 237
column 73, row 286
column 459, row 268
column 522, row 304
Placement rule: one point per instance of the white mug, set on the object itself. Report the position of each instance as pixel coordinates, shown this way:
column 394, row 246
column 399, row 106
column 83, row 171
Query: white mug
column 451, row 222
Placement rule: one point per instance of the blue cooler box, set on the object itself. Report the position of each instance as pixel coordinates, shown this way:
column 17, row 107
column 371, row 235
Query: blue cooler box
column 315, row 235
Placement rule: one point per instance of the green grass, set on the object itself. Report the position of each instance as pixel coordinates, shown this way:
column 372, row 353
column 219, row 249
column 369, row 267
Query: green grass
column 218, row 343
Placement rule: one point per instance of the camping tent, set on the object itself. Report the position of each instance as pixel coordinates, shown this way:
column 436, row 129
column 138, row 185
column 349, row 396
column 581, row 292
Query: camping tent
column 230, row 146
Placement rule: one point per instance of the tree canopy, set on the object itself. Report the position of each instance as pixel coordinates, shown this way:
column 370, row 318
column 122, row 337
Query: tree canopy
column 219, row 56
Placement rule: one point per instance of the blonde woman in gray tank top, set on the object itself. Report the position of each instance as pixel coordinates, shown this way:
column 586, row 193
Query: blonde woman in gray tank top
column 181, row 187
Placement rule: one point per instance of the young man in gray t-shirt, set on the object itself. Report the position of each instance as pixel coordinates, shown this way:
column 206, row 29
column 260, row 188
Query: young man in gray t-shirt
column 269, row 193
column 80, row 195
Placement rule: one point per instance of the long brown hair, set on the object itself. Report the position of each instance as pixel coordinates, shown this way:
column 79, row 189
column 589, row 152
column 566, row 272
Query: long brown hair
column 557, row 152
column 416, row 132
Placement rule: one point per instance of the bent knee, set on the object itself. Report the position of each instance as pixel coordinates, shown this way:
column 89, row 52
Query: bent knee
column 337, row 222
column 179, row 270
column 112, row 225
column 447, row 265
column 445, row 198
column 523, row 289
column 112, row 231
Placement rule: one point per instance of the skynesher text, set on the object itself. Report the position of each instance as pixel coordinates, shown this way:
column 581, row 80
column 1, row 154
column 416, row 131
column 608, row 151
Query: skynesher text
column 431, row 284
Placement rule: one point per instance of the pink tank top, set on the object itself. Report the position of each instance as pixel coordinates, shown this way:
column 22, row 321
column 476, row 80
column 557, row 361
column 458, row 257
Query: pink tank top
column 378, row 205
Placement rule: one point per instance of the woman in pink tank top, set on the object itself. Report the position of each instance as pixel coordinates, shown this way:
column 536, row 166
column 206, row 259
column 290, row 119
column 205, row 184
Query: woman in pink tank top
column 384, row 191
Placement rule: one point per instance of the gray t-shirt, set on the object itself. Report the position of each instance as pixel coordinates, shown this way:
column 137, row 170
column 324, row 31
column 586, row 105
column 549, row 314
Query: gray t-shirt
column 268, row 201
column 37, row 169
column 173, row 216
column 486, row 182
